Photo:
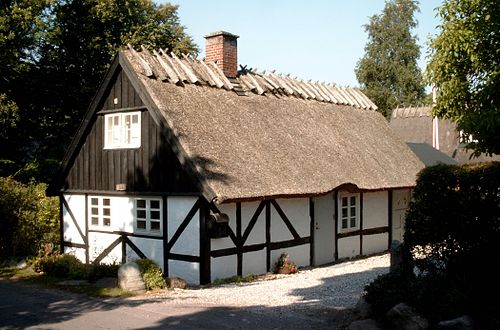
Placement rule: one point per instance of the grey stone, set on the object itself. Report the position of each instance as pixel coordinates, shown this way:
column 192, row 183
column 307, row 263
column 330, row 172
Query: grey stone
column 403, row 316
column 460, row 323
column 176, row 283
column 401, row 258
column 368, row 324
column 363, row 309
column 22, row 264
column 130, row 278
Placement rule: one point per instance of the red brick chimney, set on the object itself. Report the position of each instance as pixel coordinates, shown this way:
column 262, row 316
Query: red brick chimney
column 222, row 48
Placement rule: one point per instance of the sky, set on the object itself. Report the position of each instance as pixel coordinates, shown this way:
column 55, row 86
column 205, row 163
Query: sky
column 316, row 39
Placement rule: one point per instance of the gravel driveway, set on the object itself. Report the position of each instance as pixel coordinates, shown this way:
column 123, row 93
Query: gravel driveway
column 325, row 292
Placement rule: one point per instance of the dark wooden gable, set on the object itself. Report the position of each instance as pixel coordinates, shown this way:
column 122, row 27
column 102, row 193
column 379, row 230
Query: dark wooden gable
column 151, row 168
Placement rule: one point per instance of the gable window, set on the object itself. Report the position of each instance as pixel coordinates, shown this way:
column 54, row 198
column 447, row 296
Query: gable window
column 122, row 130
column 148, row 215
column 348, row 212
column 100, row 212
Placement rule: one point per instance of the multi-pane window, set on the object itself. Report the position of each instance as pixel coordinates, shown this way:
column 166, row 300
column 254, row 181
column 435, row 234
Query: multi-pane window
column 100, row 211
column 122, row 130
column 148, row 215
column 349, row 212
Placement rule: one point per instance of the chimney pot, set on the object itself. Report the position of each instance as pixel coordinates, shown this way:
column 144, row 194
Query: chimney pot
column 222, row 48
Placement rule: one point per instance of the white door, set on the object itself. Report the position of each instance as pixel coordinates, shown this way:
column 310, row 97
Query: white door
column 324, row 232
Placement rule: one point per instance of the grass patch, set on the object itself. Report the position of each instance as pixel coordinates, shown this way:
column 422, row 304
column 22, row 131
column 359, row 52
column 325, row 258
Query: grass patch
column 28, row 275
column 235, row 279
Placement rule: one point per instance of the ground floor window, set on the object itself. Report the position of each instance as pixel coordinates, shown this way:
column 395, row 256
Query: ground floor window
column 348, row 212
column 148, row 215
column 100, row 211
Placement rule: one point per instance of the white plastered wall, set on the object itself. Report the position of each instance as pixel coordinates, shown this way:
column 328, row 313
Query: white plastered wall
column 297, row 211
column 188, row 242
column 375, row 215
column 223, row 267
column 152, row 249
column 98, row 242
column 76, row 204
column 348, row 247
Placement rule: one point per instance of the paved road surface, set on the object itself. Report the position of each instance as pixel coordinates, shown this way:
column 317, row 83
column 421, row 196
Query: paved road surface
column 24, row 306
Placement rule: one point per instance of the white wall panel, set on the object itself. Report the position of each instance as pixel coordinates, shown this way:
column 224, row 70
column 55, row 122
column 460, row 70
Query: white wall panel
column 375, row 209
column 98, row 242
column 297, row 254
column 348, row 247
column 375, row 243
column 223, row 267
column 189, row 271
column 152, row 249
column 254, row 262
column 76, row 204
column 258, row 234
column 189, row 241
column 297, row 211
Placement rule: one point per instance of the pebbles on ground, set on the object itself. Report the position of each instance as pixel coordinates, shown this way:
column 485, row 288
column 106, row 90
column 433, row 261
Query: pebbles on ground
column 337, row 286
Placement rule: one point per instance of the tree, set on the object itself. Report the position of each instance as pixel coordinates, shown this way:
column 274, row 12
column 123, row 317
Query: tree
column 21, row 25
column 388, row 73
column 465, row 67
column 68, row 59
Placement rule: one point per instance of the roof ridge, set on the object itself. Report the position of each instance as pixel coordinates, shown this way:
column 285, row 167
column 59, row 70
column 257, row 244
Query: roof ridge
column 184, row 69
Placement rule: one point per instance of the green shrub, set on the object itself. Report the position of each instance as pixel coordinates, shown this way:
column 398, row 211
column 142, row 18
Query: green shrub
column 95, row 272
column 388, row 290
column 452, row 228
column 284, row 265
column 61, row 266
column 151, row 274
column 28, row 219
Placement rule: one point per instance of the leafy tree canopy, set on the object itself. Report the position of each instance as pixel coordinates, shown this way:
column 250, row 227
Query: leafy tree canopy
column 388, row 73
column 54, row 55
column 465, row 67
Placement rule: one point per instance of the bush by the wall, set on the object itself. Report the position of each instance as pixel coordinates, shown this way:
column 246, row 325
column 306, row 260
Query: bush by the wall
column 28, row 218
column 151, row 274
column 61, row 266
column 453, row 229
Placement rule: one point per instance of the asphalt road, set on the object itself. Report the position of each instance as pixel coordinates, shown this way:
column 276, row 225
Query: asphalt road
column 24, row 306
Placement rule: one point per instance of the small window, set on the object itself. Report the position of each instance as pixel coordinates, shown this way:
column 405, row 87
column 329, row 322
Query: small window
column 100, row 211
column 349, row 212
column 122, row 130
column 148, row 215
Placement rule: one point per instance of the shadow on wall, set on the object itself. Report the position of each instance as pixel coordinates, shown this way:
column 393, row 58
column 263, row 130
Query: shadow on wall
column 323, row 306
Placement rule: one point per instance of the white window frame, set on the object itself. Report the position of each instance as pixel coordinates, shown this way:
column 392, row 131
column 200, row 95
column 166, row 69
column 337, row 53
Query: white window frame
column 149, row 215
column 120, row 130
column 100, row 211
column 345, row 212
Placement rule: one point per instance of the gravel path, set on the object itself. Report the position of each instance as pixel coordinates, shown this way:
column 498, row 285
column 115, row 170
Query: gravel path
column 323, row 289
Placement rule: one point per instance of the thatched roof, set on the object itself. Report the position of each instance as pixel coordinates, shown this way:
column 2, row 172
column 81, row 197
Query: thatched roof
column 283, row 137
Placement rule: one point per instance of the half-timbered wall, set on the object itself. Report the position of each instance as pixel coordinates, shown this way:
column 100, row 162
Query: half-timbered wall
column 176, row 248
column 152, row 167
column 260, row 233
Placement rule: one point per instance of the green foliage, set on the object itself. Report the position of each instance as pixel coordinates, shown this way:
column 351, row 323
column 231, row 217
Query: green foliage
column 235, row 279
column 453, row 227
column 464, row 66
column 151, row 274
column 61, row 266
column 54, row 56
column 390, row 289
column 388, row 73
column 69, row 267
column 28, row 219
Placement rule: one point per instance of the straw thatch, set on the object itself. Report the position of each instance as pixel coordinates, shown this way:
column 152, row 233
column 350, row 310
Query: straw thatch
column 282, row 137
